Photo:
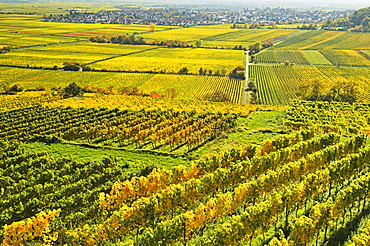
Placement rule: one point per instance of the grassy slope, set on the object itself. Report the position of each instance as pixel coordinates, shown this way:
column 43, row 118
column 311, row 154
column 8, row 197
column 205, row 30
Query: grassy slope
column 135, row 159
column 254, row 129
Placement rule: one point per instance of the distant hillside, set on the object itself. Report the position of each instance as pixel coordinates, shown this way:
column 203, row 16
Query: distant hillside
column 358, row 21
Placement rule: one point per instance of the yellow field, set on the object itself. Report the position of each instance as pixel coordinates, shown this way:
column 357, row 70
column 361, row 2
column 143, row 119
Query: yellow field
column 323, row 40
column 172, row 60
column 151, row 103
column 219, row 35
column 186, row 86
column 189, row 34
column 54, row 7
column 29, row 30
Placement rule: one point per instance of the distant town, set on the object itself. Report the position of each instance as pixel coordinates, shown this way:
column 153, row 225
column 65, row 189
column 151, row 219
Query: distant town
column 191, row 17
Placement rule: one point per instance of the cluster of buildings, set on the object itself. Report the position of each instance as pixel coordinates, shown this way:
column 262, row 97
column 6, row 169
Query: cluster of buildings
column 189, row 17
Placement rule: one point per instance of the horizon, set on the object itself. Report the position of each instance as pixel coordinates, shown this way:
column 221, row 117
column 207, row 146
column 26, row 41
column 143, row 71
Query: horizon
column 300, row 4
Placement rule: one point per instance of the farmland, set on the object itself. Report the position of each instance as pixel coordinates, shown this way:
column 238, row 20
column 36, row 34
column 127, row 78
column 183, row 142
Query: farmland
column 172, row 60
column 299, row 162
column 152, row 145
column 30, row 30
column 187, row 87
column 56, row 55
column 49, row 46
column 285, row 81
column 321, row 39
column 220, row 36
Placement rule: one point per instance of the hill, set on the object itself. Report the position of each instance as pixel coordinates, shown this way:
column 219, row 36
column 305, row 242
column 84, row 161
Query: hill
column 359, row 21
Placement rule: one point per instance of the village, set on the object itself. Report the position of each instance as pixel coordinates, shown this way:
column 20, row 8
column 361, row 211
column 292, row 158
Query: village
column 191, row 17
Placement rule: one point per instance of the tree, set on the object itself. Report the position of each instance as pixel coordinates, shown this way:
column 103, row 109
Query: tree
column 198, row 43
column 237, row 73
column 5, row 49
column 342, row 91
column 16, row 88
column 171, row 93
column 72, row 90
column 75, row 66
column 71, row 66
column 255, row 48
column 223, row 71
column 152, row 27
column 217, row 96
column 359, row 15
column 184, row 70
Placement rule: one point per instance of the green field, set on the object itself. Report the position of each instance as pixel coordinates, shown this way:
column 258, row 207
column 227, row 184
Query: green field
column 135, row 159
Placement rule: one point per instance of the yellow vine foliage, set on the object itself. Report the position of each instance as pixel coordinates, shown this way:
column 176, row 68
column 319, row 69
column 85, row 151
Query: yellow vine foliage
column 35, row 228
column 137, row 103
column 130, row 190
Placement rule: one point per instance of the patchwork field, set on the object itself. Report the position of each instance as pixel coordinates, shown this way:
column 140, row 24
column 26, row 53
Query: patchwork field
column 56, row 55
column 126, row 57
column 307, row 56
column 321, row 39
column 211, row 88
column 221, row 36
column 315, row 57
column 140, row 152
column 172, row 60
column 245, row 37
column 30, row 30
column 53, row 7
column 278, row 84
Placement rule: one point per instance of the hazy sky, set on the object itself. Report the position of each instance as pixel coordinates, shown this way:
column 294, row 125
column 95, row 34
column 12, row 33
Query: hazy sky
column 299, row 4
column 350, row 4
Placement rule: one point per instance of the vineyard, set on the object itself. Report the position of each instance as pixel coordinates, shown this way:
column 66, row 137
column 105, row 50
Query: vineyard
column 346, row 58
column 281, row 56
column 50, row 56
column 152, row 103
column 304, row 184
column 156, row 148
column 212, row 88
column 172, row 60
column 314, row 57
column 342, row 118
column 276, row 84
column 321, row 39
column 25, row 30
column 279, row 83
column 124, row 58
column 329, row 56
column 154, row 129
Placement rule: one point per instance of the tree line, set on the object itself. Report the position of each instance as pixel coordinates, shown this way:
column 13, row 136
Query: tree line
column 138, row 40
column 341, row 91
column 359, row 21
